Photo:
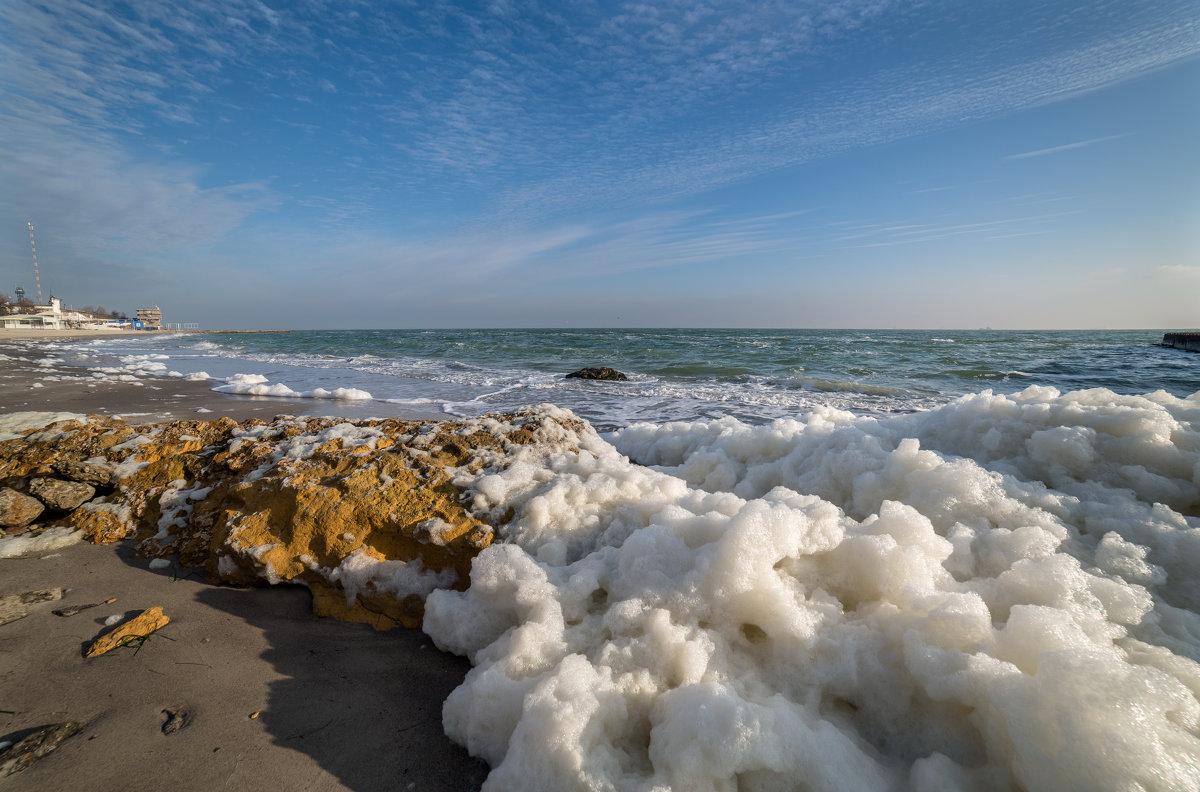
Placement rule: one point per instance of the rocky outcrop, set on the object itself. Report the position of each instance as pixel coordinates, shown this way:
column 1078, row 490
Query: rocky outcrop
column 602, row 373
column 61, row 495
column 85, row 472
column 369, row 515
column 17, row 510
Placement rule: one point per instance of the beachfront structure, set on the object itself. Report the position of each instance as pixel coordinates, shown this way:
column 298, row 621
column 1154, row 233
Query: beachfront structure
column 48, row 317
column 151, row 318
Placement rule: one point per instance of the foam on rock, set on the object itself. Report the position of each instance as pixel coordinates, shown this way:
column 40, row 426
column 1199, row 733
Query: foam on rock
column 366, row 514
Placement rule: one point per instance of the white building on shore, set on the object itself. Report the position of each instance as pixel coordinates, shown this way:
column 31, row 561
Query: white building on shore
column 49, row 317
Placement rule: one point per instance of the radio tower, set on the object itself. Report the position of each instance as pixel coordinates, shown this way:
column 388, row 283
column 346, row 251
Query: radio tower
column 36, row 278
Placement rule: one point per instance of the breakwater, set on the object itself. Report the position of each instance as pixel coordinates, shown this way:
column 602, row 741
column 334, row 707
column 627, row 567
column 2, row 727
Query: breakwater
column 1188, row 341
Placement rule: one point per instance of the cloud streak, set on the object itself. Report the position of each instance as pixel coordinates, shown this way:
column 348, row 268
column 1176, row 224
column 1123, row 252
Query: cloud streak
column 1065, row 147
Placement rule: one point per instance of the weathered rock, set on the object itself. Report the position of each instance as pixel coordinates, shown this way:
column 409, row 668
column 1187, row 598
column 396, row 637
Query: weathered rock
column 17, row 510
column 370, row 515
column 34, row 746
column 137, row 628
column 97, row 475
column 602, row 373
column 103, row 522
column 61, row 495
column 16, row 606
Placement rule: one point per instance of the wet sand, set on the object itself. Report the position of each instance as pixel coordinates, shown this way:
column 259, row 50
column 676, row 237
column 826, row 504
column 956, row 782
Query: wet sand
column 29, row 381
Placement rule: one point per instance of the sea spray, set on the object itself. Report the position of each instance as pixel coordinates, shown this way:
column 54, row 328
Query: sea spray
column 995, row 594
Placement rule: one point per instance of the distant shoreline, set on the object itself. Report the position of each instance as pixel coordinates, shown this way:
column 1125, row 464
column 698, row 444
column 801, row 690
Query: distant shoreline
column 26, row 333
column 30, row 384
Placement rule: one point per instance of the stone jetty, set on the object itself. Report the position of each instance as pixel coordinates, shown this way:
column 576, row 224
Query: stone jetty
column 1188, row 341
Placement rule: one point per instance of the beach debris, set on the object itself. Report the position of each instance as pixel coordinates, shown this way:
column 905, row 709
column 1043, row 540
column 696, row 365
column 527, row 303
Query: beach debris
column 176, row 719
column 35, row 745
column 17, row 510
column 60, row 495
column 71, row 610
column 93, row 473
column 254, row 715
column 16, row 606
column 131, row 633
column 601, row 373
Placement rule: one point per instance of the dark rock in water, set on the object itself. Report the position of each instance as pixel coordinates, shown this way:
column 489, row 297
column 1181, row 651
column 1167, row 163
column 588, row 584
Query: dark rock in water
column 17, row 510
column 604, row 373
column 85, row 473
column 33, row 745
column 61, row 495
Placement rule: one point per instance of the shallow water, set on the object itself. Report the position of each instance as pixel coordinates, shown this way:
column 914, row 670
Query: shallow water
column 752, row 375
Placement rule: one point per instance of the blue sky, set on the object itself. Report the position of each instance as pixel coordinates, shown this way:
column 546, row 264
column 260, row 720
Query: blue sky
column 855, row 163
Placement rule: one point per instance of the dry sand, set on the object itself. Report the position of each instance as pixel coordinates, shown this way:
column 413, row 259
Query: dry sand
column 342, row 707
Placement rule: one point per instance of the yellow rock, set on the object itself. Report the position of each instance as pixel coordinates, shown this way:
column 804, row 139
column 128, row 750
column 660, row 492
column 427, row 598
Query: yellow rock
column 100, row 526
column 354, row 510
column 135, row 629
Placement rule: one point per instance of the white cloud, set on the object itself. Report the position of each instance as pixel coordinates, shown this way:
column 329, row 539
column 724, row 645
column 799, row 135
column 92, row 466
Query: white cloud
column 1065, row 147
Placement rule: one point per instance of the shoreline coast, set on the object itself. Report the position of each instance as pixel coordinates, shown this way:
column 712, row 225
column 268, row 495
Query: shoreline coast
column 339, row 706
column 266, row 689
column 31, row 381
column 878, row 599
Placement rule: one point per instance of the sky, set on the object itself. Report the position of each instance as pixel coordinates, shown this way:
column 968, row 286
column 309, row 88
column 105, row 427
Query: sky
column 252, row 164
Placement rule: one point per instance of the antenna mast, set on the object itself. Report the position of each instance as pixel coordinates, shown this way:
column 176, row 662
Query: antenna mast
column 36, row 278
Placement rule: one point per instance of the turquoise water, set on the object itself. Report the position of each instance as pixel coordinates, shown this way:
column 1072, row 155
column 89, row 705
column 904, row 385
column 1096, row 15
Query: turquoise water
column 755, row 375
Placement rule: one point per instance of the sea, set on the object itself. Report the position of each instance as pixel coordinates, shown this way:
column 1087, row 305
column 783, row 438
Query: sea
column 779, row 559
column 674, row 374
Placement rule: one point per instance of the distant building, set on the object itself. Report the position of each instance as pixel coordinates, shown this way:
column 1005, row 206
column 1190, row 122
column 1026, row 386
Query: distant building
column 151, row 318
column 48, row 317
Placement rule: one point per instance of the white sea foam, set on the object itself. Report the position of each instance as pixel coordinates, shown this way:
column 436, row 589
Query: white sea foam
column 15, row 424
column 258, row 385
column 997, row 594
column 50, row 539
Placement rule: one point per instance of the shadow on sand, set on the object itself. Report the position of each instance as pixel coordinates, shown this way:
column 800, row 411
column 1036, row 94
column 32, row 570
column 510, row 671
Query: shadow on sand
column 365, row 705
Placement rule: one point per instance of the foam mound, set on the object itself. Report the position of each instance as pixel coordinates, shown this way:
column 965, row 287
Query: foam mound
column 997, row 594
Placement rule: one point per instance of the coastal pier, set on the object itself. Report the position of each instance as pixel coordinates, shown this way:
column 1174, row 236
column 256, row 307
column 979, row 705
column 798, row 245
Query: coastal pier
column 1188, row 341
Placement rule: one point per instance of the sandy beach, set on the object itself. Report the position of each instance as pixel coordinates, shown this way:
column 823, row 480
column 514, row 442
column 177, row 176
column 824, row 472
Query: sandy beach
column 29, row 383
column 339, row 706
column 26, row 334
column 268, row 691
